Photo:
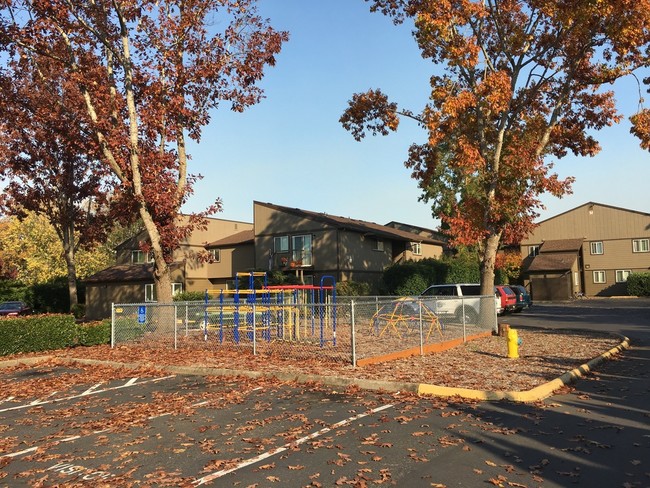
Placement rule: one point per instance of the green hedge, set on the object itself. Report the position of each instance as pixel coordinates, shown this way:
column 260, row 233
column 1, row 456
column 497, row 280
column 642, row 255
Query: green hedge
column 638, row 284
column 94, row 334
column 37, row 333
column 47, row 332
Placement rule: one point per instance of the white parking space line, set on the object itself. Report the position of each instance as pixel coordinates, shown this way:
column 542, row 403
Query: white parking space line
column 92, row 391
column 277, row 450
column 76, row 437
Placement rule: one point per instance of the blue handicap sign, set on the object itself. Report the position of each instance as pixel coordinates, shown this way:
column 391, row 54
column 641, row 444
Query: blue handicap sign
column 142, row 314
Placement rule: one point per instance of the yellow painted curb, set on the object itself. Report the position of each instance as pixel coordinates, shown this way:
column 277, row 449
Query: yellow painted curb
column 536, row 394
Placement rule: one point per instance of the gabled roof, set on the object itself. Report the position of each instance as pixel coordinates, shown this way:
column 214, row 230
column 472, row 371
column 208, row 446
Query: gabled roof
column 561, row 245
column 592, row 204
column 243, row 237
column 370, row 228
column 553, row 262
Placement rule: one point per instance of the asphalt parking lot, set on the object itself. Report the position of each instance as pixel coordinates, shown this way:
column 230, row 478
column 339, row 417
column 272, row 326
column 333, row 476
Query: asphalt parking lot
column 61, row 426
column 171, row 431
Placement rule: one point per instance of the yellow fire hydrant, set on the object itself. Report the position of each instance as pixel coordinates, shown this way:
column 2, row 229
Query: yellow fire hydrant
column 513, row 344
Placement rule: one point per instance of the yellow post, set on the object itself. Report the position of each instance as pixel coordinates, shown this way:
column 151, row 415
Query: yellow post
column 513, row 344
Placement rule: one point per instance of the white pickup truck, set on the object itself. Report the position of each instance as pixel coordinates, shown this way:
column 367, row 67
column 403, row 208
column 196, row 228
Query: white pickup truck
column 457, row 299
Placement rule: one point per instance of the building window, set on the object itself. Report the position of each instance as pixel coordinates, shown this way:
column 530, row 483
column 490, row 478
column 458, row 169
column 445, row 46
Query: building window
column 599, row 277
column 281, row 244
column 379, row 245
column 140, row 257
column 177, row 288
column 597, row 247
column 215, row 255
column 621, row 275
column 416, row 247
column 301, row 246
column 533, row 251
column 149, row 293
column 641, row 245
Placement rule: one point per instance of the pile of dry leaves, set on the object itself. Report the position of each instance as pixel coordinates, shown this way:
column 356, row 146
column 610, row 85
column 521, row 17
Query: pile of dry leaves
column 479, row 364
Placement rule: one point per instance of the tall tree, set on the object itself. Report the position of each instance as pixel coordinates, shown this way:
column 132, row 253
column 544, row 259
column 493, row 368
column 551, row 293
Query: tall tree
column 150, row 72
column 516, row 83
column 48, row 157
column 32, row 252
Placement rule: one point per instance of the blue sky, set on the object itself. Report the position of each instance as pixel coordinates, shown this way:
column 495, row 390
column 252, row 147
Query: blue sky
column 291, row 150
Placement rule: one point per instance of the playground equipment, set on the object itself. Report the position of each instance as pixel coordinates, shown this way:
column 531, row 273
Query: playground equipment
column 281, row 312
column 404, row 313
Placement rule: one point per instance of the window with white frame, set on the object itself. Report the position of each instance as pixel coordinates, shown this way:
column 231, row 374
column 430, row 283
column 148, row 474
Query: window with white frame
column 416, row 248
column 622, row 274
column 281, row 244
column 177, row 288
column 215, row 255
column 641, row 245
column 139, row 257
column 599, row 277
column 533, row 251
column 597, row 247
column 149, row 292
column 379, row 245
column 302, row 250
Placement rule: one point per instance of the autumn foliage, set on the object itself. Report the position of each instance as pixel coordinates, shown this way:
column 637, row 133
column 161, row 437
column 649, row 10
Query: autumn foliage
column 148, row 73
column 515, row 85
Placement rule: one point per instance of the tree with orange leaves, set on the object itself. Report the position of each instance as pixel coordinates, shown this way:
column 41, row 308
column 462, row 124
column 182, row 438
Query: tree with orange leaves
column 516, row 84
column 149, row 72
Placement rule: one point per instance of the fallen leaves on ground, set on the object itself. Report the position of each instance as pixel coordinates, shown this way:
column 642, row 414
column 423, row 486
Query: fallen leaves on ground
column 478, row 364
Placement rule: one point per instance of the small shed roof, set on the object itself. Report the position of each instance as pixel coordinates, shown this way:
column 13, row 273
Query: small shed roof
column 243, row 237
column 553, row 261
column 561, row 245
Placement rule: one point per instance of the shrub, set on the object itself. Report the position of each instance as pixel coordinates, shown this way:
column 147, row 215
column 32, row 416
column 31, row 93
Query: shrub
column 190, row 296
column 352, row 288
column 413, row 286
column 51, row 297
column 638, row 284
column 79, row 310
column 37, row 333
column 94, row 334
column 430, row 271
column 12, row 290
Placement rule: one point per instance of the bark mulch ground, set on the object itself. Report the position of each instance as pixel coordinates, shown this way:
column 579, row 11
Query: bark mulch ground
column 480, row 364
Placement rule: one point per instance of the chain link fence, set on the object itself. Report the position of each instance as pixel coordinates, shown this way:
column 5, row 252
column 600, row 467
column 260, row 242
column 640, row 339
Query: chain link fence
column 347, row 331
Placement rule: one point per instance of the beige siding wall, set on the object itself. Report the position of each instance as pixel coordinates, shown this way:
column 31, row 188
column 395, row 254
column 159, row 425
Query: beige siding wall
column 617, row 254
column 616, row 228
column 100, row 297
column 595, row 222
column 188, row 251
column 233, row 260
column 359, row 253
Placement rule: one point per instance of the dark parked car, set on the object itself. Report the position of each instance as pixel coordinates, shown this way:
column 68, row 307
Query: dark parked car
column 524, row 300
column 13, row 309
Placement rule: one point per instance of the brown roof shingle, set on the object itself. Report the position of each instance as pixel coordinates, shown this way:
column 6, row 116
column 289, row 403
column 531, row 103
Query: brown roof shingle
column 243, row 237
column 357, row 225
column 561, row 245
column 122, row 273
column 553, row 262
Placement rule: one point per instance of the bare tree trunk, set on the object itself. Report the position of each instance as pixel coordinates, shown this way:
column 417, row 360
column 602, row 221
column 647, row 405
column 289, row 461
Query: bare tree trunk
column 489, row 250
column 69, row 253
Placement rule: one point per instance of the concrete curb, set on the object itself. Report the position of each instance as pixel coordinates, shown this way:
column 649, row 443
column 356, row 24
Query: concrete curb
column 533, row 395
column 536, row 394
